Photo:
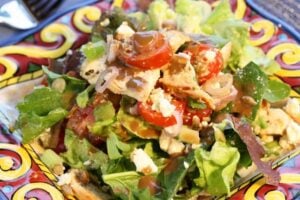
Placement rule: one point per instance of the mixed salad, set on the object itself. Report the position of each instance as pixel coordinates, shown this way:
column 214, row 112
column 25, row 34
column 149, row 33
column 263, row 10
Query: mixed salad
column 171, row 103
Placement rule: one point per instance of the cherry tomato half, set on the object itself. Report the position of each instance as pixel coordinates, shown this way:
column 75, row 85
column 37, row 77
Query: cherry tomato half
column 156, row 118
column 206, row 60
column 150, row 51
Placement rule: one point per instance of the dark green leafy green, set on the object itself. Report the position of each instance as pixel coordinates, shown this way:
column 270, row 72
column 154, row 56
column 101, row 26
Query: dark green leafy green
column 276, row 91
column 81, row 154
column 217, row 168
column 171, row 177
column 252, row 82
column 234, row 140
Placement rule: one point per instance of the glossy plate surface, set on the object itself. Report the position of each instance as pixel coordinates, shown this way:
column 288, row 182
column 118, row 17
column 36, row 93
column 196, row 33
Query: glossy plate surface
column 22, row 174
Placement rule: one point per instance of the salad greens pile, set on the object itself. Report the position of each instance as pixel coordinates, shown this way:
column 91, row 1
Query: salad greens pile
column 108, row 134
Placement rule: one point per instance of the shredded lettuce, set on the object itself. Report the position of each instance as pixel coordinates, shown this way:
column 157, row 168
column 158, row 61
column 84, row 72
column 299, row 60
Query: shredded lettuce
column 83, row 98
column 51, row 159
column 217, row 168
column 94, row 50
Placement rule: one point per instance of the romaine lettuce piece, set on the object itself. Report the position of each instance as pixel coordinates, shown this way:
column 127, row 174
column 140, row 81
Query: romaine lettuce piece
column 256, row 55
column 190, row 14
column 276, row 91
column 222, row 23
column 51, row 159
column 216, row 168
column 159, row 12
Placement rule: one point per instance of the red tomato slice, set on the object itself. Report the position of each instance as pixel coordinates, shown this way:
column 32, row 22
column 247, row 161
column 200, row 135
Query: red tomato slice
column 156, row 118
column 206, row 67
column 151, row 51
column 190, row 113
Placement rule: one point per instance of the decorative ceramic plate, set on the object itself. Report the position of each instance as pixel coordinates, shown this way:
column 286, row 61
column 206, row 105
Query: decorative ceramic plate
column 24, row 176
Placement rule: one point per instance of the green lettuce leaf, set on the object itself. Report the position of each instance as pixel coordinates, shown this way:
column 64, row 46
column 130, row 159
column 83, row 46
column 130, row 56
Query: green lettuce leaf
column 190, row 14
column 41, row 101
column 222, row 23
column 38, row 111
column 83, row 98
column 51, row 159
column 123, row 182
column 276, row 91
column 32, row 125
column 159, row 12
column 87, row 153
column 216, row 168
column 256, row 55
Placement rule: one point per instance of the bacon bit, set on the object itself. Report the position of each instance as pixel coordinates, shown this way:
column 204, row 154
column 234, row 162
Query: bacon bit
column 256, row 151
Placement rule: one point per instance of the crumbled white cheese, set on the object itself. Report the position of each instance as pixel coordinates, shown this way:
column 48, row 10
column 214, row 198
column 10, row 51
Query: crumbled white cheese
column 186, row 164
column 64, row 179
column 169, row 144
column 143, row 162
column 210, row 55
column 160, row 103
column 293, row 133
column 91, row 70
column 125, row 30
column 293, row 109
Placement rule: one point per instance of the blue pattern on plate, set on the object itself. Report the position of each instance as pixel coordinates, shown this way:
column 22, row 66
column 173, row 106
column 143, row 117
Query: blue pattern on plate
column 11, row 36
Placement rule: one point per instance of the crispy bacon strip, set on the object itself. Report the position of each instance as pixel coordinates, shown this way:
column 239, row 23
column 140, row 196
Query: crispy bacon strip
column 256, row 151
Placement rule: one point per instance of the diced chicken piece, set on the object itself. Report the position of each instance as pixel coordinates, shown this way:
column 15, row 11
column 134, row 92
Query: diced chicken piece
column 293, row 109
column 180, row 78
column 170, row 145
column 91, row 70
column 135, row 83
column 283, row 142
column 293, row 133
column 176, row 39
column 76, row 182
column 276, row 121
column 226, row 52
column 143, row 162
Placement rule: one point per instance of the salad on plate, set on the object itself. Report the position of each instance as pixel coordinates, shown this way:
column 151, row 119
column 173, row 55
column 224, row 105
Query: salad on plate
column 170, row 103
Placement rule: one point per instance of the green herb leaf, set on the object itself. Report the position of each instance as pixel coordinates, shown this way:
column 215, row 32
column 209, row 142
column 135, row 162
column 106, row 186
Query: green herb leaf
column 251, row 82
column 276, row 91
